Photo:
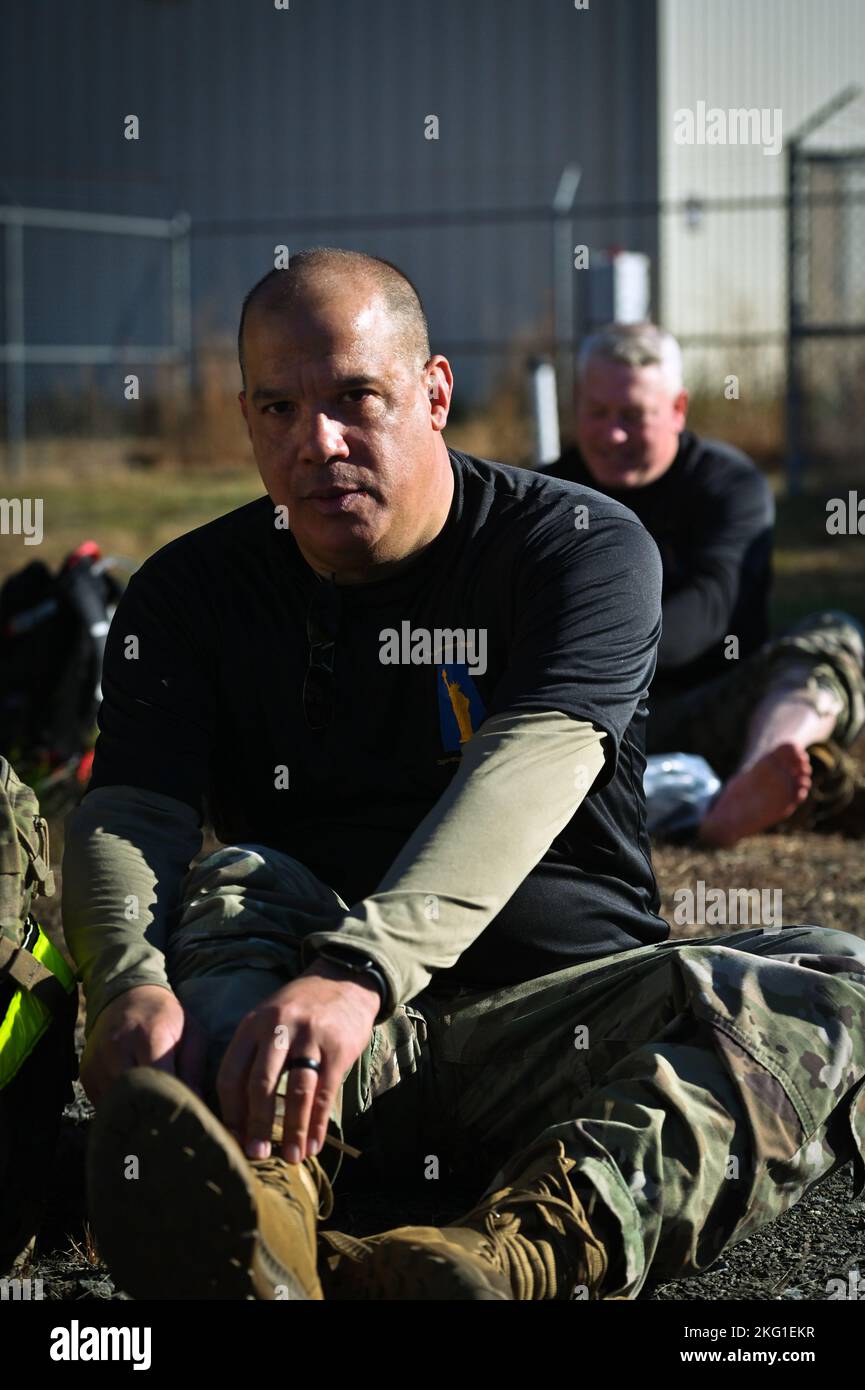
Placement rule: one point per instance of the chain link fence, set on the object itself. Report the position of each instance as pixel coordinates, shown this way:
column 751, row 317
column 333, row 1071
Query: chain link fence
column 826, row 396
column 803, row 380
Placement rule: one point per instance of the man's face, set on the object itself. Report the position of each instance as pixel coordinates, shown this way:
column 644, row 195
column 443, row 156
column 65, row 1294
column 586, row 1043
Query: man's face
column 343, row 429
column 628, row 424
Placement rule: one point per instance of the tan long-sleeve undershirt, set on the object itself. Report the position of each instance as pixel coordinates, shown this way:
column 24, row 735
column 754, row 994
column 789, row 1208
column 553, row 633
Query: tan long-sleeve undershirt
column 520, row 780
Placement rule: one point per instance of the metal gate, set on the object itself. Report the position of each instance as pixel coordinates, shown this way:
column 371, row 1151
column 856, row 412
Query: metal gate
column 826, row 280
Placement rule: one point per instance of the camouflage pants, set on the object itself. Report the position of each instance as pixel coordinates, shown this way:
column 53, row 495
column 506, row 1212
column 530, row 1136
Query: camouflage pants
column 823, row 655
column 698, row 1087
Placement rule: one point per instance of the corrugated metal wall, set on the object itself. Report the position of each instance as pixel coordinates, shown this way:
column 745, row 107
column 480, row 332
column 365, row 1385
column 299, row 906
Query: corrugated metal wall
column 248, row 112
column 728, row 275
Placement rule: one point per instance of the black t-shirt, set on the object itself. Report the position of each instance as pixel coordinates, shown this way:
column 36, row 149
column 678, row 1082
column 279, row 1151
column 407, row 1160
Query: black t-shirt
column 210, row 710
column 711, row 515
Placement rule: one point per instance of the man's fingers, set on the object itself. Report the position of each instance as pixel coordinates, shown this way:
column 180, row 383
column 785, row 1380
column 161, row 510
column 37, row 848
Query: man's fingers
column 102, row 1064
column 319, row 1019
column 231, row 1082
column 300, row 1092
column 329, row 1081
column 264, row 1074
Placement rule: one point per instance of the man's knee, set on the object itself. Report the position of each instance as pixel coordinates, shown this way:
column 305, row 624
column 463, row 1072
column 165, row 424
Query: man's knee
column 248, row 906
column 805, row 940
column 830, row 629
column 258, row 868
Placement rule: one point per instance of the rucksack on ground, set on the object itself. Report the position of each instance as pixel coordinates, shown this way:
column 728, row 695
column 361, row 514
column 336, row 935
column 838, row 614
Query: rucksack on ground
column 53, row 628
column 38, row 1009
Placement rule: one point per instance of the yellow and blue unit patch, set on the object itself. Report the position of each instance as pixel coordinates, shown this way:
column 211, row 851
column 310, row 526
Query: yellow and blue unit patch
column 461, row 709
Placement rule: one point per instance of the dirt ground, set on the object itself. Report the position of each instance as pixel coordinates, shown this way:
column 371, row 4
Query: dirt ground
column 822, row 878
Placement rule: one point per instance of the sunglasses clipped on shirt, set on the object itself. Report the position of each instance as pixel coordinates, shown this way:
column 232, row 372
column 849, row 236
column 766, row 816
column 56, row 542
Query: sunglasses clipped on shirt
column 322, row 628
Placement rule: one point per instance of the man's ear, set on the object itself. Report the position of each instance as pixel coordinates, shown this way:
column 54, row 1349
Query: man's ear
column 439, row 380
column 244, row 408
column 680, row 406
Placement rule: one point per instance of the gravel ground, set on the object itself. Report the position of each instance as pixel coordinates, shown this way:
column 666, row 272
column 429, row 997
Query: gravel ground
column 822, row 878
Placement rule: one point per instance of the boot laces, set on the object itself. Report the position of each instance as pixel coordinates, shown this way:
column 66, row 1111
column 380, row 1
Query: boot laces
column 556, row 1250
column 277, row 1173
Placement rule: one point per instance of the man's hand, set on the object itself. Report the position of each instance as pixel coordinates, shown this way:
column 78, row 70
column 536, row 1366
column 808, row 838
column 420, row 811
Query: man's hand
column 327, row 1014
column 144, row 1027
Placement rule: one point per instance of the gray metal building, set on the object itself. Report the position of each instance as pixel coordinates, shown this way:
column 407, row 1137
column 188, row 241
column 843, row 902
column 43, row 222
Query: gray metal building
column 307, row 125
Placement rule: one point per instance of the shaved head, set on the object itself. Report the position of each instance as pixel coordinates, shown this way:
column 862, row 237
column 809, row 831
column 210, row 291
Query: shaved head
column 345, row 408
column 328, row 270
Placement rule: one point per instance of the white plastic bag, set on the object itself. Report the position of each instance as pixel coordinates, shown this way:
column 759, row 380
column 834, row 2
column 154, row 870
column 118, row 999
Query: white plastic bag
column 679, row 788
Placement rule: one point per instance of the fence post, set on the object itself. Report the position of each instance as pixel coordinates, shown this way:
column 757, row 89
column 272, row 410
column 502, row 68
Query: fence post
column 545, row 410
column 16, row 386
column 563, row 273
column 181, row 305
column 794, row 390
column 795, row 315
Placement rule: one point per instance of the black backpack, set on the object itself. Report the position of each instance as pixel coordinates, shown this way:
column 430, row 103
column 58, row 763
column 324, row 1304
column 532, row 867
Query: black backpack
column 52, row 641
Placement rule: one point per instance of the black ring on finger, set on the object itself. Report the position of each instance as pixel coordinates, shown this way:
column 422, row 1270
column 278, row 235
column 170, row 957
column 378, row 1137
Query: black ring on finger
column 309, row 1063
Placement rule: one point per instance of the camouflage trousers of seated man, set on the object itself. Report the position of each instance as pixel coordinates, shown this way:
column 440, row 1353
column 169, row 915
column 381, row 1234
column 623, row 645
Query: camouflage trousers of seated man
column 823, row 657
column 699, row 1087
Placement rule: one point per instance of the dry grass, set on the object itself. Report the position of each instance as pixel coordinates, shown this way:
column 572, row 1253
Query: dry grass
column 90, row 491
column 84, row 1251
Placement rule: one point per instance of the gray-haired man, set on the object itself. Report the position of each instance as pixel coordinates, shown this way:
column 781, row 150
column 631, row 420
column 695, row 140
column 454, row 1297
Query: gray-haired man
column 751, row 707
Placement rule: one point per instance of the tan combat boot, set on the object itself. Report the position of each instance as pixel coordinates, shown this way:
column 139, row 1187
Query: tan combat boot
column 531, row 1239
column 178, row 1211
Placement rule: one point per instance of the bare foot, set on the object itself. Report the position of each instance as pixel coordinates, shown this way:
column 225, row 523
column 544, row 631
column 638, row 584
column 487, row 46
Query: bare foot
column 763, row 794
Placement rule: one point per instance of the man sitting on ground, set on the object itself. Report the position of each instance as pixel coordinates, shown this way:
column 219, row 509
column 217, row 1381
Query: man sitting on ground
column 752, row 708
column 403, row 680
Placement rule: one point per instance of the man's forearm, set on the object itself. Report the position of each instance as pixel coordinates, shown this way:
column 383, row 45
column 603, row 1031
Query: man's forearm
column 694, row 619
column 521, row 779
column 125, row 856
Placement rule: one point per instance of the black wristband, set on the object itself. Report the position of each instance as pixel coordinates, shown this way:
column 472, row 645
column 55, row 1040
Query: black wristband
column 358, row 963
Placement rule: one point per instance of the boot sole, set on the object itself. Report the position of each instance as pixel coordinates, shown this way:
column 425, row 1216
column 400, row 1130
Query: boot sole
column 186, row 1226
